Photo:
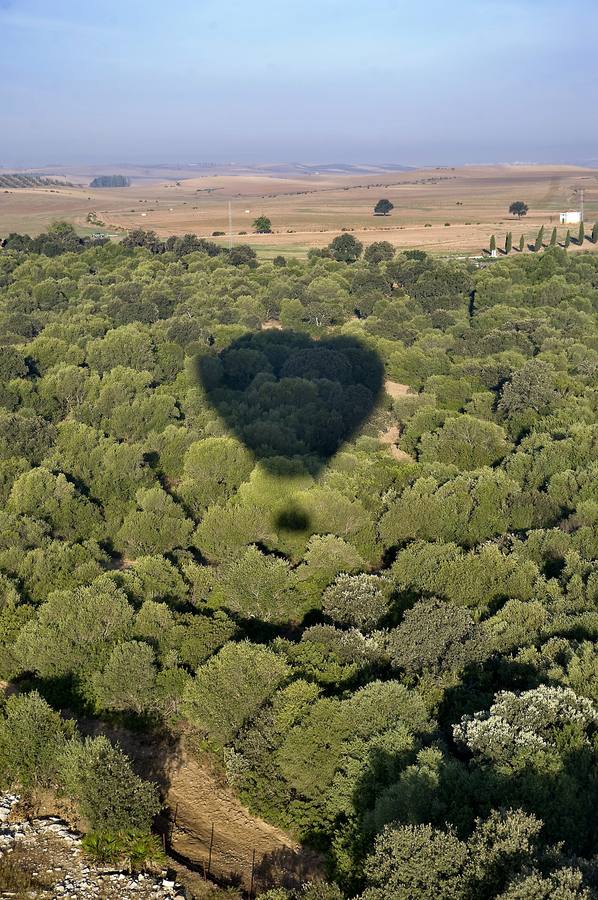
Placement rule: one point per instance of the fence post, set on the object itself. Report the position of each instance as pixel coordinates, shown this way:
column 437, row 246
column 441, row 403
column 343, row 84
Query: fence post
column 210, row 853
column 252, row 876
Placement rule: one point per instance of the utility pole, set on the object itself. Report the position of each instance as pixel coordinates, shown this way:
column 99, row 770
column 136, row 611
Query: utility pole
column 581, row 204
column 230, row 225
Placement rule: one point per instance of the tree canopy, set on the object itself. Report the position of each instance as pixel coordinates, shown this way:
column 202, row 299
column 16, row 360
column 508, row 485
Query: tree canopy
column 383, row 207
column 519, row 208
column 335, row 521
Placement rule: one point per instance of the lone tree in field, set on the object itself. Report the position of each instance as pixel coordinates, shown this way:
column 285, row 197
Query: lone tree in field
column 567, row 239
column 509, row 243
column 553, row 237
column 539, row 240
column 383, row 207
column 522, row 243
column 518, row 208
column 262, row 225
column 581, row 234
column 595, row 233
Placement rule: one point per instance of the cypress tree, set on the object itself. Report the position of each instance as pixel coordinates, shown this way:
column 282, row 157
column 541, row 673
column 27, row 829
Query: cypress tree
column 539, row 240
column 509, row 243
column 595, row 233
column 582, row 234
column 522, row 243
column 553, row 237
column 492, row 244
column 568, row 239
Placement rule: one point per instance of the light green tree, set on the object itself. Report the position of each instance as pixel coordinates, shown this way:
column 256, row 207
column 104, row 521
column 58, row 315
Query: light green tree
column 231, row 687
column 262, row 225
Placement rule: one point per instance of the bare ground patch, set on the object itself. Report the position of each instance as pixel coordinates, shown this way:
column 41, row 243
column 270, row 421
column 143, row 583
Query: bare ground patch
column 390, row 439
column 395, row 390
column 197, row 797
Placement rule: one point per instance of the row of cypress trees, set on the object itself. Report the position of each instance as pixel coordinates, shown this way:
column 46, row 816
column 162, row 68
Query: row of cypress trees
column 539, row 242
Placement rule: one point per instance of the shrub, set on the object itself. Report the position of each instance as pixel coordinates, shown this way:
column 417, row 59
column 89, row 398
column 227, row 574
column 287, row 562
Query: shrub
column 110, row 796
column 359, row 600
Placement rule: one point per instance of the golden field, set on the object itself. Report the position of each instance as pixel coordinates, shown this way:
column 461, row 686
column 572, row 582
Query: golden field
column 443, row 210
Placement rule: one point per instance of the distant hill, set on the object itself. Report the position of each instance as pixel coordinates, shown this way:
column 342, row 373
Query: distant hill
column 18, row 180
column 350, row 169
column 111, row 181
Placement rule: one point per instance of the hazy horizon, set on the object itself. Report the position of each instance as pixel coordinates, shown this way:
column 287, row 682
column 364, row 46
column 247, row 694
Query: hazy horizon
column 322, row 81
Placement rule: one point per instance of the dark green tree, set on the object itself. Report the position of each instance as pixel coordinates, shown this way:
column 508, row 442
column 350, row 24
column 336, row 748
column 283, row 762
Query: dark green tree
column 140, row 238
column 508, row 242
column 581, row 234
column 539, row 243
column 111, row 181
column 435, row 636
column 345, row 248
column 242, row 255
column 383, row 207
column 553, row 237
column 518, row 208
column 379, row 251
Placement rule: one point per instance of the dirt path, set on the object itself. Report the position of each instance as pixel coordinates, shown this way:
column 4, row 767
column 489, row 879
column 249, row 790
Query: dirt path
column 390, row 437
column 198, row 798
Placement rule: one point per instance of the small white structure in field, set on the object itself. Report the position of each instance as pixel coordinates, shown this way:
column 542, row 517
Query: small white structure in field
column 571, row 217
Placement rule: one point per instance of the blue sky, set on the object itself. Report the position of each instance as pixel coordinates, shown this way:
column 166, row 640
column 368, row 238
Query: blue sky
column 297, row 80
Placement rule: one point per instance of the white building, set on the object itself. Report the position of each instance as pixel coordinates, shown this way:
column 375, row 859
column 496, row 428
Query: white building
column 571, row 217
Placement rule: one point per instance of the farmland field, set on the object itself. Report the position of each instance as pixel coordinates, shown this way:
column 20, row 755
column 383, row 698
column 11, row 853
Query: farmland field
column 442, row 210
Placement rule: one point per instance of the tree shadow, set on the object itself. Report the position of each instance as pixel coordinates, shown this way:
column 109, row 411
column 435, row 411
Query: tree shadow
column 288, row 868
column 289, row 398
column 455, row 793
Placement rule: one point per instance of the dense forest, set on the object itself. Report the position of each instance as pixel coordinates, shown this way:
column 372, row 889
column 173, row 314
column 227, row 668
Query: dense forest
column 392, row 656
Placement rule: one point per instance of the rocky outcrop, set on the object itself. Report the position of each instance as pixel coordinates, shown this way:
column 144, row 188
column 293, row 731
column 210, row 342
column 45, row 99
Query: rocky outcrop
column 42, row 858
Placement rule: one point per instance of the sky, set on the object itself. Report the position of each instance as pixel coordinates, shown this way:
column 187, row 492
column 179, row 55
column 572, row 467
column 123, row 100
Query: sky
column 437, row 82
